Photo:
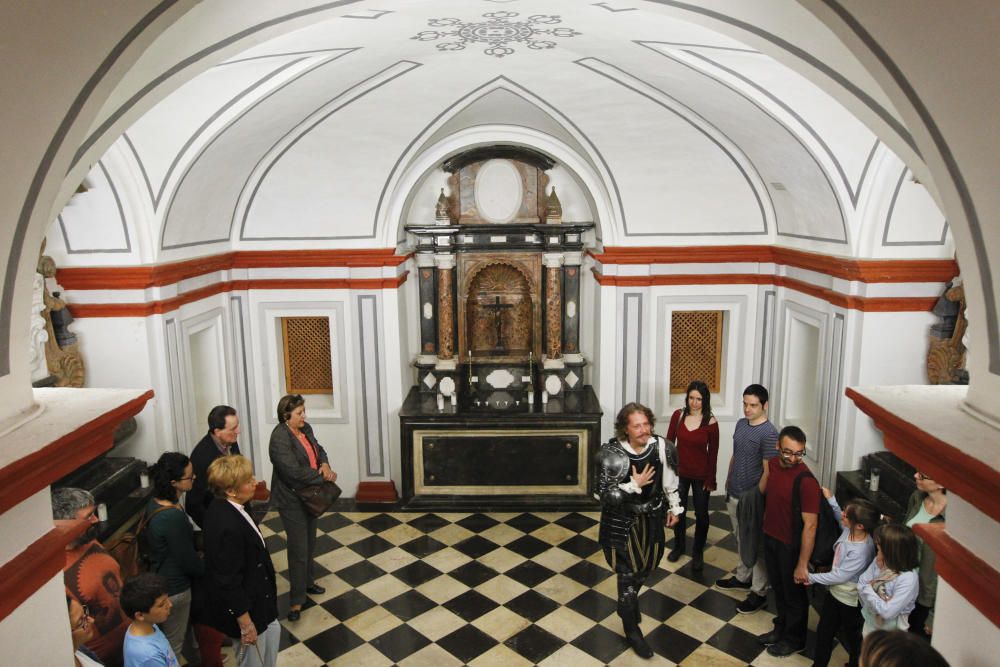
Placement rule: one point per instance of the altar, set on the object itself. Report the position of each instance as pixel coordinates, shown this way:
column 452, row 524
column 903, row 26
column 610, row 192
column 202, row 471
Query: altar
column 501, row 415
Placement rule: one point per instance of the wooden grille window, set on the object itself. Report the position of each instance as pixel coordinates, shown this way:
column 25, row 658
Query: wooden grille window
column 308, row 369
column 696, row 349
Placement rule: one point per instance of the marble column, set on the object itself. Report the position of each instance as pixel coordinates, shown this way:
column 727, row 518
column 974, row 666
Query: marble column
column 427, row 309
column 553, row 307
column 446, row 310
column 571, row 307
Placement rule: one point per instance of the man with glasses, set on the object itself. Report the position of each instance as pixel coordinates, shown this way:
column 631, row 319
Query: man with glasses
column 223, row 430
column 786, row 554
column 92, row 576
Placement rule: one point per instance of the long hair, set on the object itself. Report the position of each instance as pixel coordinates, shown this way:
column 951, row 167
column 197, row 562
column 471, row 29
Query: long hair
column 900, row 548
column 169, row 468
column 859, row 510
column 706, row 400
column 621, row 421
column 893, row 648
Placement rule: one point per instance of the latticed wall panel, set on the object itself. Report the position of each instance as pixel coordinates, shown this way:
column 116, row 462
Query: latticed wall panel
column 696, row 349
column 308, row 369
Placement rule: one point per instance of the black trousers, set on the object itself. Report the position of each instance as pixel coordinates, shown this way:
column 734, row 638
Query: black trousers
column 635, row 560
column 701, row 494
column 300, row 529
column 918, row 619
column 841, row 621
column 790, row 597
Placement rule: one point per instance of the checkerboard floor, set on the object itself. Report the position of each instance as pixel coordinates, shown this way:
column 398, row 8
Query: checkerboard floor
column 511, row 588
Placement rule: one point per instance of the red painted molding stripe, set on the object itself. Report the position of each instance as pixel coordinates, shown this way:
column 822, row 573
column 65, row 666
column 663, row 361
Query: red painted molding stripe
column 30, row 474
column 376, row 492
column 25, row 573
column 866, row 304
column 957, row 471
column 167, row 305
column 972, row 577
column 159, row 275
column 863, row 270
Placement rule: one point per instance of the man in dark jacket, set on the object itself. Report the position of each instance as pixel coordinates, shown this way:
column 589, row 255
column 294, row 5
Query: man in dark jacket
column 223, row 429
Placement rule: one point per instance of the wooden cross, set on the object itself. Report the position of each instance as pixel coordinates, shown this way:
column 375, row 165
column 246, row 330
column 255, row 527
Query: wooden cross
column 497, row 308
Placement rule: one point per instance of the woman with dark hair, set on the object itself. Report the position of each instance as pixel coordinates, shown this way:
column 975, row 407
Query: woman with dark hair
column 696, row 433
column 171, row 540
column 927, row 505
column 298, row 461
column 888, row 648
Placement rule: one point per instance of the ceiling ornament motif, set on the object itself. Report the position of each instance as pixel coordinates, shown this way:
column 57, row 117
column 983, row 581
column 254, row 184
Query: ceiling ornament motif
column 497, row 31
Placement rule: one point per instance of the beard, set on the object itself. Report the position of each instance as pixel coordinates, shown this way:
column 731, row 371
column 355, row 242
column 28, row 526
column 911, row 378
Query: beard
column 88, row 535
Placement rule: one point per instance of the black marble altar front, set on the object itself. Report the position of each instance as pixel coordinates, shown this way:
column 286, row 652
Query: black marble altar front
column 501, row 453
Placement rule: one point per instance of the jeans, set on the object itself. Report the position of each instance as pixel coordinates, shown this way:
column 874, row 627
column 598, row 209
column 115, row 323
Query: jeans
column 791, row 598
column 701, row 495
column 265, row 652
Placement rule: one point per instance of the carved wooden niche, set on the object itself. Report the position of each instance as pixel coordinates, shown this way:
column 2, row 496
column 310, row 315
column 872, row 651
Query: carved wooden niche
column 499, row 307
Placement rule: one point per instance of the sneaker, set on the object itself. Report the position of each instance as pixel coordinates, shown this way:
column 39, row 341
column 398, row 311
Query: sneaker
column 753, row 603
column 784, row 648
column 731, row 584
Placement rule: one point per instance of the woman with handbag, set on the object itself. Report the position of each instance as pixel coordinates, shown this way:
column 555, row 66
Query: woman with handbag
column 299, row 462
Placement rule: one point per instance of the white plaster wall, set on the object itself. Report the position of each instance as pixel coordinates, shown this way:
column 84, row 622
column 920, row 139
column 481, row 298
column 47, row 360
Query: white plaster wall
column 37, row 633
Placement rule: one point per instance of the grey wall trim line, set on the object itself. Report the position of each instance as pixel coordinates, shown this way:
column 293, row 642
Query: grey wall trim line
column 767, row 327
column 957, row 179
column 888, row 219
column 515, row 89
column 746, row 176
column 283, row 54
column 218, row 135
column 236, row 312
column 302, row 133
column 121, row 217
column 379, row 13
column 868, row 164
column 45, row 165
column 215, row 116
column 604, row 5
column 802, row 121
column 806, row 57
column 626, row 299
column 692, row 45
column 376, row 468
column 142, row 168
column 812, row 238
column 190, row 60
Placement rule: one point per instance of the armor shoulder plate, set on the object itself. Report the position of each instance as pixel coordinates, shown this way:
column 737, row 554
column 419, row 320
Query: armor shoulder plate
column 613, row 460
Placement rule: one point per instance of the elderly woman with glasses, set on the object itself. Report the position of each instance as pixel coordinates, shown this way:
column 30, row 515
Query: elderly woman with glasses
column 927, row 505
column 241, row 596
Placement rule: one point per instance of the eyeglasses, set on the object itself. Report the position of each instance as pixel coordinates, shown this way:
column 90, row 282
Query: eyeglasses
column 84, row 620
column 789, row 454
column 923, row 476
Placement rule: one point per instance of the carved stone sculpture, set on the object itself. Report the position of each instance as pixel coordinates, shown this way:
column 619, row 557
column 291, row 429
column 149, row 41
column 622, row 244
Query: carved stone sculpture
column 62, row 350
column 38, row 334
column 946, row 351
column 553, row 208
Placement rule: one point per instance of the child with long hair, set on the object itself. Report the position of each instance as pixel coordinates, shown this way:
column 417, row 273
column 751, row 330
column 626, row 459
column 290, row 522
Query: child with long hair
column 852, row 553
column 888, row 588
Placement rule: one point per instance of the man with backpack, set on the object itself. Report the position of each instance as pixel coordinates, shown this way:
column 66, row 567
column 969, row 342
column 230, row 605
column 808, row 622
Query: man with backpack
column 789, row 540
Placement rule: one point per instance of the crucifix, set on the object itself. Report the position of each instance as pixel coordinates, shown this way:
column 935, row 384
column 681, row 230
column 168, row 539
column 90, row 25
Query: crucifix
column 497, row 308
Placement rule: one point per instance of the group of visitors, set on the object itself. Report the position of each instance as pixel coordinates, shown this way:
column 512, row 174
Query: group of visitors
column 881, row 578
column 213, row 584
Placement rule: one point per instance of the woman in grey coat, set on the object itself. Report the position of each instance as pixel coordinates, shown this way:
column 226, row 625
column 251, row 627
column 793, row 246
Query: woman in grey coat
column 298, row 461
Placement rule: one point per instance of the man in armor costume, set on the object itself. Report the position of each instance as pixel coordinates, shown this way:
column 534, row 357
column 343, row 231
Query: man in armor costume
column 636, row 481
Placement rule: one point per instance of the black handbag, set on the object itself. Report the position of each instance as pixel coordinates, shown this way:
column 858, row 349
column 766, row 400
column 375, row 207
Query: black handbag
column 318, row 498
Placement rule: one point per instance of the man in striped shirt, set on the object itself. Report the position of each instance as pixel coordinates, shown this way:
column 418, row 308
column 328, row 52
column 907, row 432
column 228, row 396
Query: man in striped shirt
column 754, row 440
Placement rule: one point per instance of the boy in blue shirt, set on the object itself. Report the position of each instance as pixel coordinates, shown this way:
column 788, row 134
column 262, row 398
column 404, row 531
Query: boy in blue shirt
column 144, row 599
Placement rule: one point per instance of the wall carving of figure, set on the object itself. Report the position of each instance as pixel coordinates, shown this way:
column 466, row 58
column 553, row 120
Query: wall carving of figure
column 38, row 334
column 946, row 351
column 62, row 349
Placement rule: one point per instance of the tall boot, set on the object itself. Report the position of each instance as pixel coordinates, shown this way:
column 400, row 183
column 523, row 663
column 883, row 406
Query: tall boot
column 680, row 537
column 628, row 611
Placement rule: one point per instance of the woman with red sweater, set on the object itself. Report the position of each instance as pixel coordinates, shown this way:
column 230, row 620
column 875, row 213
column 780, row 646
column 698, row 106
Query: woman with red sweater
column 696, row 434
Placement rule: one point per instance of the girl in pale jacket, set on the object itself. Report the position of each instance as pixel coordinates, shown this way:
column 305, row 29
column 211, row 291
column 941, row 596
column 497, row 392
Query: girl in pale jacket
column 888, row 588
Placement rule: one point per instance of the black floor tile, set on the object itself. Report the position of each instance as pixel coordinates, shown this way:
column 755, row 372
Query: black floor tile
column 407, row 606
column 423, row 546
column 467, row 643
column 728, row 542
column 416, row 573
column 325, row 544
column 736, row 642
column 276, row 543
column 534, row 643
column 360, row 573
column 528, row 546
column 593, row 605
column 527, row 522
column 672, row 644
column 473, row 573
column 659, row 606
column 400, row 642
column 581, row 546
column 706, row 577
column 470, row 605
column 717, row 503
column 601, row 643
column 428, row 523
column 379, row 522
column 475, row 546
column 347, row 605
column 529, row 573
column 371, row 546
column 531, row 605
column 575, row 521
column 587, row 573
column 284, row 603
column 717, row 604
column 720, row 520
column 328, row 522
column 477, row 523
column 333, row 643
column 286, row 639
column 275, row 524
